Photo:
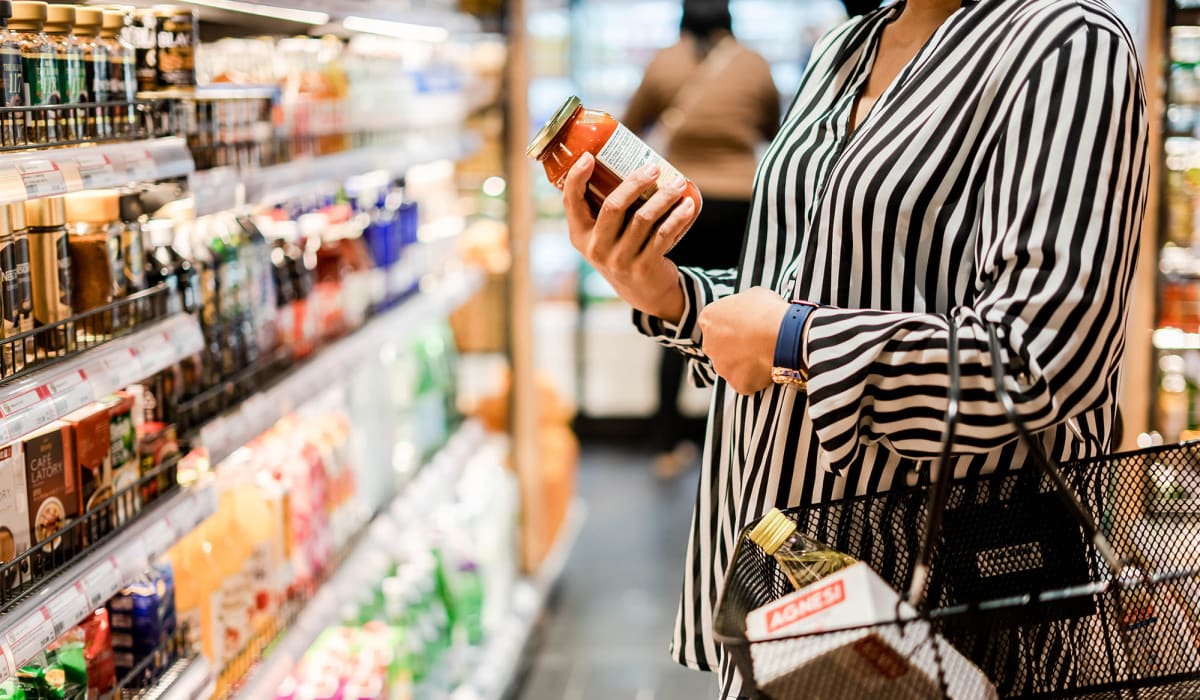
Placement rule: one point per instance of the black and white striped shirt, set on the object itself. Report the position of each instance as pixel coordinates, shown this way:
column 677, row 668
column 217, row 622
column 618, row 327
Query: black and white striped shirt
column 1001, row 178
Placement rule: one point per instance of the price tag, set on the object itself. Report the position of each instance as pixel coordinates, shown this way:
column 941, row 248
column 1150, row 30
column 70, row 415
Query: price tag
column 103, row 582
column 132, row 561
column 95, row 170
column 136, row 163
column 67, row 608
column 158, row 537
column 42, row 178
column 30, row 636
column 6, row 663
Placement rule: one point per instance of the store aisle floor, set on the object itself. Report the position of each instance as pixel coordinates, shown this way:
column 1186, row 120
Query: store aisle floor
column 607, row 634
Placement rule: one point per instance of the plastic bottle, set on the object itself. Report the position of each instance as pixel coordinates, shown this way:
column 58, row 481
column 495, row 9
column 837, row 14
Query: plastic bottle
column 802, row 559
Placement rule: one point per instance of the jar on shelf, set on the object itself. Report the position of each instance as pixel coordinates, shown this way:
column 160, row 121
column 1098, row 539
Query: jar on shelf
column 50, row 271
column 121, row 69
column 97, row 259
column 39, row 68
column 12, row 123
column 176, row 36
column 16, row 298
column 97, row 68
column 72, row 76
column 619, row 153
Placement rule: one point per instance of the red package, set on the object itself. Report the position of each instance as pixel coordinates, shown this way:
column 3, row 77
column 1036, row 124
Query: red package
column 98, row 653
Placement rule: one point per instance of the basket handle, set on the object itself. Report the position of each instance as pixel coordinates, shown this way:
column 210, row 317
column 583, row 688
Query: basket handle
column 940, row 490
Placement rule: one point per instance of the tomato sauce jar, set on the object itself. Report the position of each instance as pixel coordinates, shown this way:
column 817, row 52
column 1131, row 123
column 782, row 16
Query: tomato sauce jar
column 573, row 131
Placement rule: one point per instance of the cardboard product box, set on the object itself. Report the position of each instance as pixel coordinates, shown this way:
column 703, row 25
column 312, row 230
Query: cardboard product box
column 156, row 444
column 90, row 433
column 53, row 490
column 122, row 436
column 14, row 511
column 888, row 660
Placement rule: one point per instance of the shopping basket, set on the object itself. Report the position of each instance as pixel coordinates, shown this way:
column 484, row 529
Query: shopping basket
column 1111, row 610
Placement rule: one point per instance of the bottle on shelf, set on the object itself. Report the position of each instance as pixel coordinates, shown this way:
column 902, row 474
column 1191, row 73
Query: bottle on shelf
column 16, row 294
column 39, row 67
column 12, row 125
column 97, row 259
column 50, row 271
column 261, row 275
column 72, row 75
column 802, row 559
column 97, row 62
column 122, row 69
column 133, row 240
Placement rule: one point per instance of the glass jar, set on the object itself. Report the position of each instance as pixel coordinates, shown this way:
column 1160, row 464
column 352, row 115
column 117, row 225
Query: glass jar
column 97, row 68
column 619, row 153
column 176, row 35
column 50, row 270
column 139, row 33
column 97, row 259
column 72, row 75
column 39, row 69
column 121, row 70
column 12, row 124
column 15, row 294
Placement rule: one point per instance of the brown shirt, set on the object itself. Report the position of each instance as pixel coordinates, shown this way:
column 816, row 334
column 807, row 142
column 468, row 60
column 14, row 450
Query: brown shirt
column 736, row 109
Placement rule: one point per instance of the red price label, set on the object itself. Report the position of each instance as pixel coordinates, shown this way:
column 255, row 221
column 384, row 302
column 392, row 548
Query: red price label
column 95, row 170
column 42, row 178
column 30, row 636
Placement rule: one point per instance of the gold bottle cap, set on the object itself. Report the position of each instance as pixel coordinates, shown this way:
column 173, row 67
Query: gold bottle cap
column 88, row 21
column 114, row 22
column 46, row 213
column 94, row 206
column 772, row 531
column 16, row 214
column 60, row 19
column 551, row 128
column 28, row 15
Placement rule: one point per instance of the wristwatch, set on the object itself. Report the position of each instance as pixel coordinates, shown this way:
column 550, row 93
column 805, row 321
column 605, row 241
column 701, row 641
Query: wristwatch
column 788, row 369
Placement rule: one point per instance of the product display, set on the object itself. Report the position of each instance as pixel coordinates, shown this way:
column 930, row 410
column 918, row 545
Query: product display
column 803, row 560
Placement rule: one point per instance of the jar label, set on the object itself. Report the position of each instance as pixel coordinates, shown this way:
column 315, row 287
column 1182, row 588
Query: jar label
column 10, row 69
column 624, row 153
column 72, row 77
column 41, row 79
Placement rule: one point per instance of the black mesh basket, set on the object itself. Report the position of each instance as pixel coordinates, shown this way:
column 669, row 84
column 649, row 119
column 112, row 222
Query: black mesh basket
column 1013, row 581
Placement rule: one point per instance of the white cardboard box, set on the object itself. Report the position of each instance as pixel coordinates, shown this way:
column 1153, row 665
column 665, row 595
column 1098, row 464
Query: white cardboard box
column 886, row 661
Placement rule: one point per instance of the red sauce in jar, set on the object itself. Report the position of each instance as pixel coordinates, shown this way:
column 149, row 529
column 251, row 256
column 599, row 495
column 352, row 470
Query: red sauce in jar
column 573, row 131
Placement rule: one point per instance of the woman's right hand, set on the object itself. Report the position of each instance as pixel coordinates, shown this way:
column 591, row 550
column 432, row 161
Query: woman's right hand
column 632, row 258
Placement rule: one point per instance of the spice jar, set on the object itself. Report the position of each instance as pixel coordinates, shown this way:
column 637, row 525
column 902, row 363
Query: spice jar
column 72, row 76
column 619, row 153
column 97, row 67
column 122, row 75
column 50, row 270
column 97, row 259
column 12, row 124
column 39, row 69
column 15, row 294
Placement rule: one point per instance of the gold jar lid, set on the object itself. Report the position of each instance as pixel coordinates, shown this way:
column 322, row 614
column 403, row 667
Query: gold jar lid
column 94, row 206
column 171, row 10
column 6, row 227
column 88, row 21
column 60, row 19
column 113, row 23
column 49, row 212
column 541, row 140
column 16, row 214
column 772, row 531
column 28, row 15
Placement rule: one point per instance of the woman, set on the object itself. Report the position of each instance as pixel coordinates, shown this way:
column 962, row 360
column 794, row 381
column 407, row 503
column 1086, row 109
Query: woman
column 714, row 102
column 943, row 163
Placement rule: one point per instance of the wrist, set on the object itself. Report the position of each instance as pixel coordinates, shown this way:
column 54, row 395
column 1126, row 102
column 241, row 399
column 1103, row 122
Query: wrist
column 668, row 302
column 788, row 366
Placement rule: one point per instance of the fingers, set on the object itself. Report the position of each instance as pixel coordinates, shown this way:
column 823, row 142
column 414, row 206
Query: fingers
column 579, row 214
column 671, row 230
column 611, row 221
column 642, row 224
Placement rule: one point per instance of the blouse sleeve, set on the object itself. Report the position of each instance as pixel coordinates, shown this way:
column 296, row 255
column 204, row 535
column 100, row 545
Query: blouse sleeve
column 700, row 288
column 1061, row 201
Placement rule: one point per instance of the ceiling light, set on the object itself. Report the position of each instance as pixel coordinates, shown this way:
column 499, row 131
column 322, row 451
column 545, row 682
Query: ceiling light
column 399, row 30
column 285, row 13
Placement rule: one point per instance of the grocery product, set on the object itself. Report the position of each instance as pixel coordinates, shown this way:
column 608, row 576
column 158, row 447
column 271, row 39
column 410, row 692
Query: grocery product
column 143, row 620
column 12, row 125
column 71, row 73
column 802, row 559
column 50, row 270
column 123, row 451
column 53, row 490
column 176, row 35
column 14, row 511
column 97, row 251
column 156, row 443
column 93, row 459
column 16, row 292
column 619, row 153
column 39, row 69
column 97, row 67
column 122, row 75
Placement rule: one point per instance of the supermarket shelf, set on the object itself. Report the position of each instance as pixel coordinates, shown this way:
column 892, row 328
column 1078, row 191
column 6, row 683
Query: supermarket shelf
column 1175, row 339
column 53, row 172
column 49, row 394
column 224, row 188
column 221, row 436
column 65, row 600
column 362, row 566
column 501, row 660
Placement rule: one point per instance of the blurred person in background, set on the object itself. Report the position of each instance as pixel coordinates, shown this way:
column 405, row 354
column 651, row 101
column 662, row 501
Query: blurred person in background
column 712, row 102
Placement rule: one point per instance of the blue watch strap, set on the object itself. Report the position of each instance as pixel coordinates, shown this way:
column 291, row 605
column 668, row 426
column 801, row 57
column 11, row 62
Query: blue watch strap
column 791, row 336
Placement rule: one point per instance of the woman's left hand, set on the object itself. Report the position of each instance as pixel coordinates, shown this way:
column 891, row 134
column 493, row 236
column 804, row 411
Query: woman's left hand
column 739, row 337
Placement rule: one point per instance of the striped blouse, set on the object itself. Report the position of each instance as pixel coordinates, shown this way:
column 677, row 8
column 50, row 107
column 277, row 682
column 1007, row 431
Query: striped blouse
column 1000, row 179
